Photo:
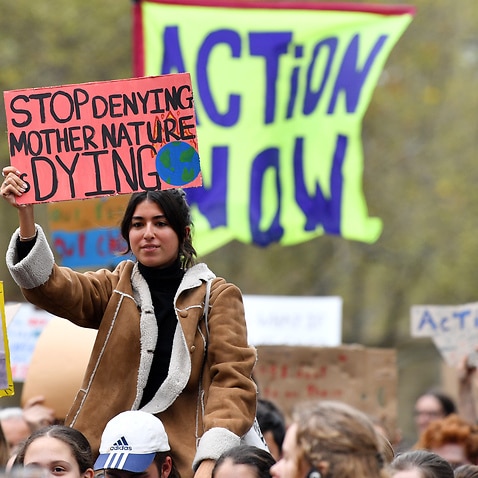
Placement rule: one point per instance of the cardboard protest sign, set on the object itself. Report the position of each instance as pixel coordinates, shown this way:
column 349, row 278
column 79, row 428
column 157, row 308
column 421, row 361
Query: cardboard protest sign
column 363, row 377
column 103, row 138
column 87, row 234
column 453, row 329
column 58, row 364
column 6, row 382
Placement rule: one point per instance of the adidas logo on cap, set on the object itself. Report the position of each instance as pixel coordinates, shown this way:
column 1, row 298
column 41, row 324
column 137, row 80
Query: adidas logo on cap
column 142, row 436
column 121, row 444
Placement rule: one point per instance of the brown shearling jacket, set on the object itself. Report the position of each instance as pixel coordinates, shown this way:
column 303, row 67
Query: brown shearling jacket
column 205, row 404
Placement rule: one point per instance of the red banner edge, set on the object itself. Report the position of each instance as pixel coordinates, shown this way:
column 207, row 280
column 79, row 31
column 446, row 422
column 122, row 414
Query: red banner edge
column 138, row 43
column 339, row 6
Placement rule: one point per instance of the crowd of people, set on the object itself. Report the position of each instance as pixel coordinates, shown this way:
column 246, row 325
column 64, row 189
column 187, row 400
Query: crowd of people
column 321, row 439
column 169, row 389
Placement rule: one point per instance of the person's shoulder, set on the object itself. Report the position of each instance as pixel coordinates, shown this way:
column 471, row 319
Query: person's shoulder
column 199, row 272
column 221, row 287
column 202, row 272
column 126, row 265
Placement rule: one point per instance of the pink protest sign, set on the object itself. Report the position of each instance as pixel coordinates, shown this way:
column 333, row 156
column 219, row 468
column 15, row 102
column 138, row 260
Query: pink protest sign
column 104, row 138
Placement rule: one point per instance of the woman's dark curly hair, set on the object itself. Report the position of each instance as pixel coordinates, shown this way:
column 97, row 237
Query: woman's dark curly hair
column 176, row 209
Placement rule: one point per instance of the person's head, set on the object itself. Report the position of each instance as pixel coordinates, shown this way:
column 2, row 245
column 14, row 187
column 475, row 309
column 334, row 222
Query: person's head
column 57, row 448
column 466, row 471
column 453, row 438
column 430, row 406
column 244, row 461
column 272, row 424
column 135, row 443
column 4, row 449
column 420, row 464
column 157, row 228
column 332, row 439
column 14, row 426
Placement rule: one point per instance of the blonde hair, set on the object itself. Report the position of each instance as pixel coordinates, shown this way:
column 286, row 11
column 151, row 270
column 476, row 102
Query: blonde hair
column 340, row 436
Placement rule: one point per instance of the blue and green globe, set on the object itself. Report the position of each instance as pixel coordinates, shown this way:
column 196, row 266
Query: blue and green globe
column 177, row 163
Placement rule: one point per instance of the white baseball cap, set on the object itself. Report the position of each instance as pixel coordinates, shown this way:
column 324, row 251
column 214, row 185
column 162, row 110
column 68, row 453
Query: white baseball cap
column 130, row 442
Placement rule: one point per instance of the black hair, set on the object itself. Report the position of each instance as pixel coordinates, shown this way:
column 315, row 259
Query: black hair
column 159, row 459
column 466, row 471
column 75, row 440
column 270, row 418
column 257, row 458
column 176, row 209
column 446, row 402
column 430, row 464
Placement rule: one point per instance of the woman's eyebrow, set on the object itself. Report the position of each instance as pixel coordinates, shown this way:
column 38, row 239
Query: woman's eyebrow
column 159, row 216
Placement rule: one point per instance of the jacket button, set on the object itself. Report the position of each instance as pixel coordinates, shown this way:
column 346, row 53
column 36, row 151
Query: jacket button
column 183, row 314
column 192, row 349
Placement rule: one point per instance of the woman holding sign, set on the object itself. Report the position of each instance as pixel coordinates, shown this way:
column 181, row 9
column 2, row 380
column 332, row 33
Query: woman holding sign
column 171, row 336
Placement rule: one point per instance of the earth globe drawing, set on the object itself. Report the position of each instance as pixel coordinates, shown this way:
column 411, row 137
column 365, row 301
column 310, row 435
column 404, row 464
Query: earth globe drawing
column 177, row 163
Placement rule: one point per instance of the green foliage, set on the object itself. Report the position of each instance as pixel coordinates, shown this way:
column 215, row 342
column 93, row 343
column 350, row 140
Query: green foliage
column 50, row 43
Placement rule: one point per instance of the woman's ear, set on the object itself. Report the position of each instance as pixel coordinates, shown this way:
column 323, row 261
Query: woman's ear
column 323, row 468
column 166, row 467
column 89, row 473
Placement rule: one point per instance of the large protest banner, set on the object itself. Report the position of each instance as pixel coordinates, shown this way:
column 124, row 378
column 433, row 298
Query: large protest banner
column 103, row 138
column 280, row 92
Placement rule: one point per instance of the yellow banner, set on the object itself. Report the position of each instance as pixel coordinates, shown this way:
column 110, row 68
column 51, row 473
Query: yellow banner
column 280, row 94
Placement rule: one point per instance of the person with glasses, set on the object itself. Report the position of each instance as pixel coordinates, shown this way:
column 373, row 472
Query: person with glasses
column 430, row 406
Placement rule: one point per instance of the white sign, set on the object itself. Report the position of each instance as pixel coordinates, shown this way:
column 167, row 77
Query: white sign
column 271, row 320
column 453, row 329
column 24, row 327
column 290, row 320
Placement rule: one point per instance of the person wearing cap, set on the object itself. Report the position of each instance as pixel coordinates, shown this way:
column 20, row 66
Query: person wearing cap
column 132, row 443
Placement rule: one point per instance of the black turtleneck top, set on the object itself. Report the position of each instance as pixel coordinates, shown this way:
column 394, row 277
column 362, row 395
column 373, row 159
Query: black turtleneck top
column 163, row 284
